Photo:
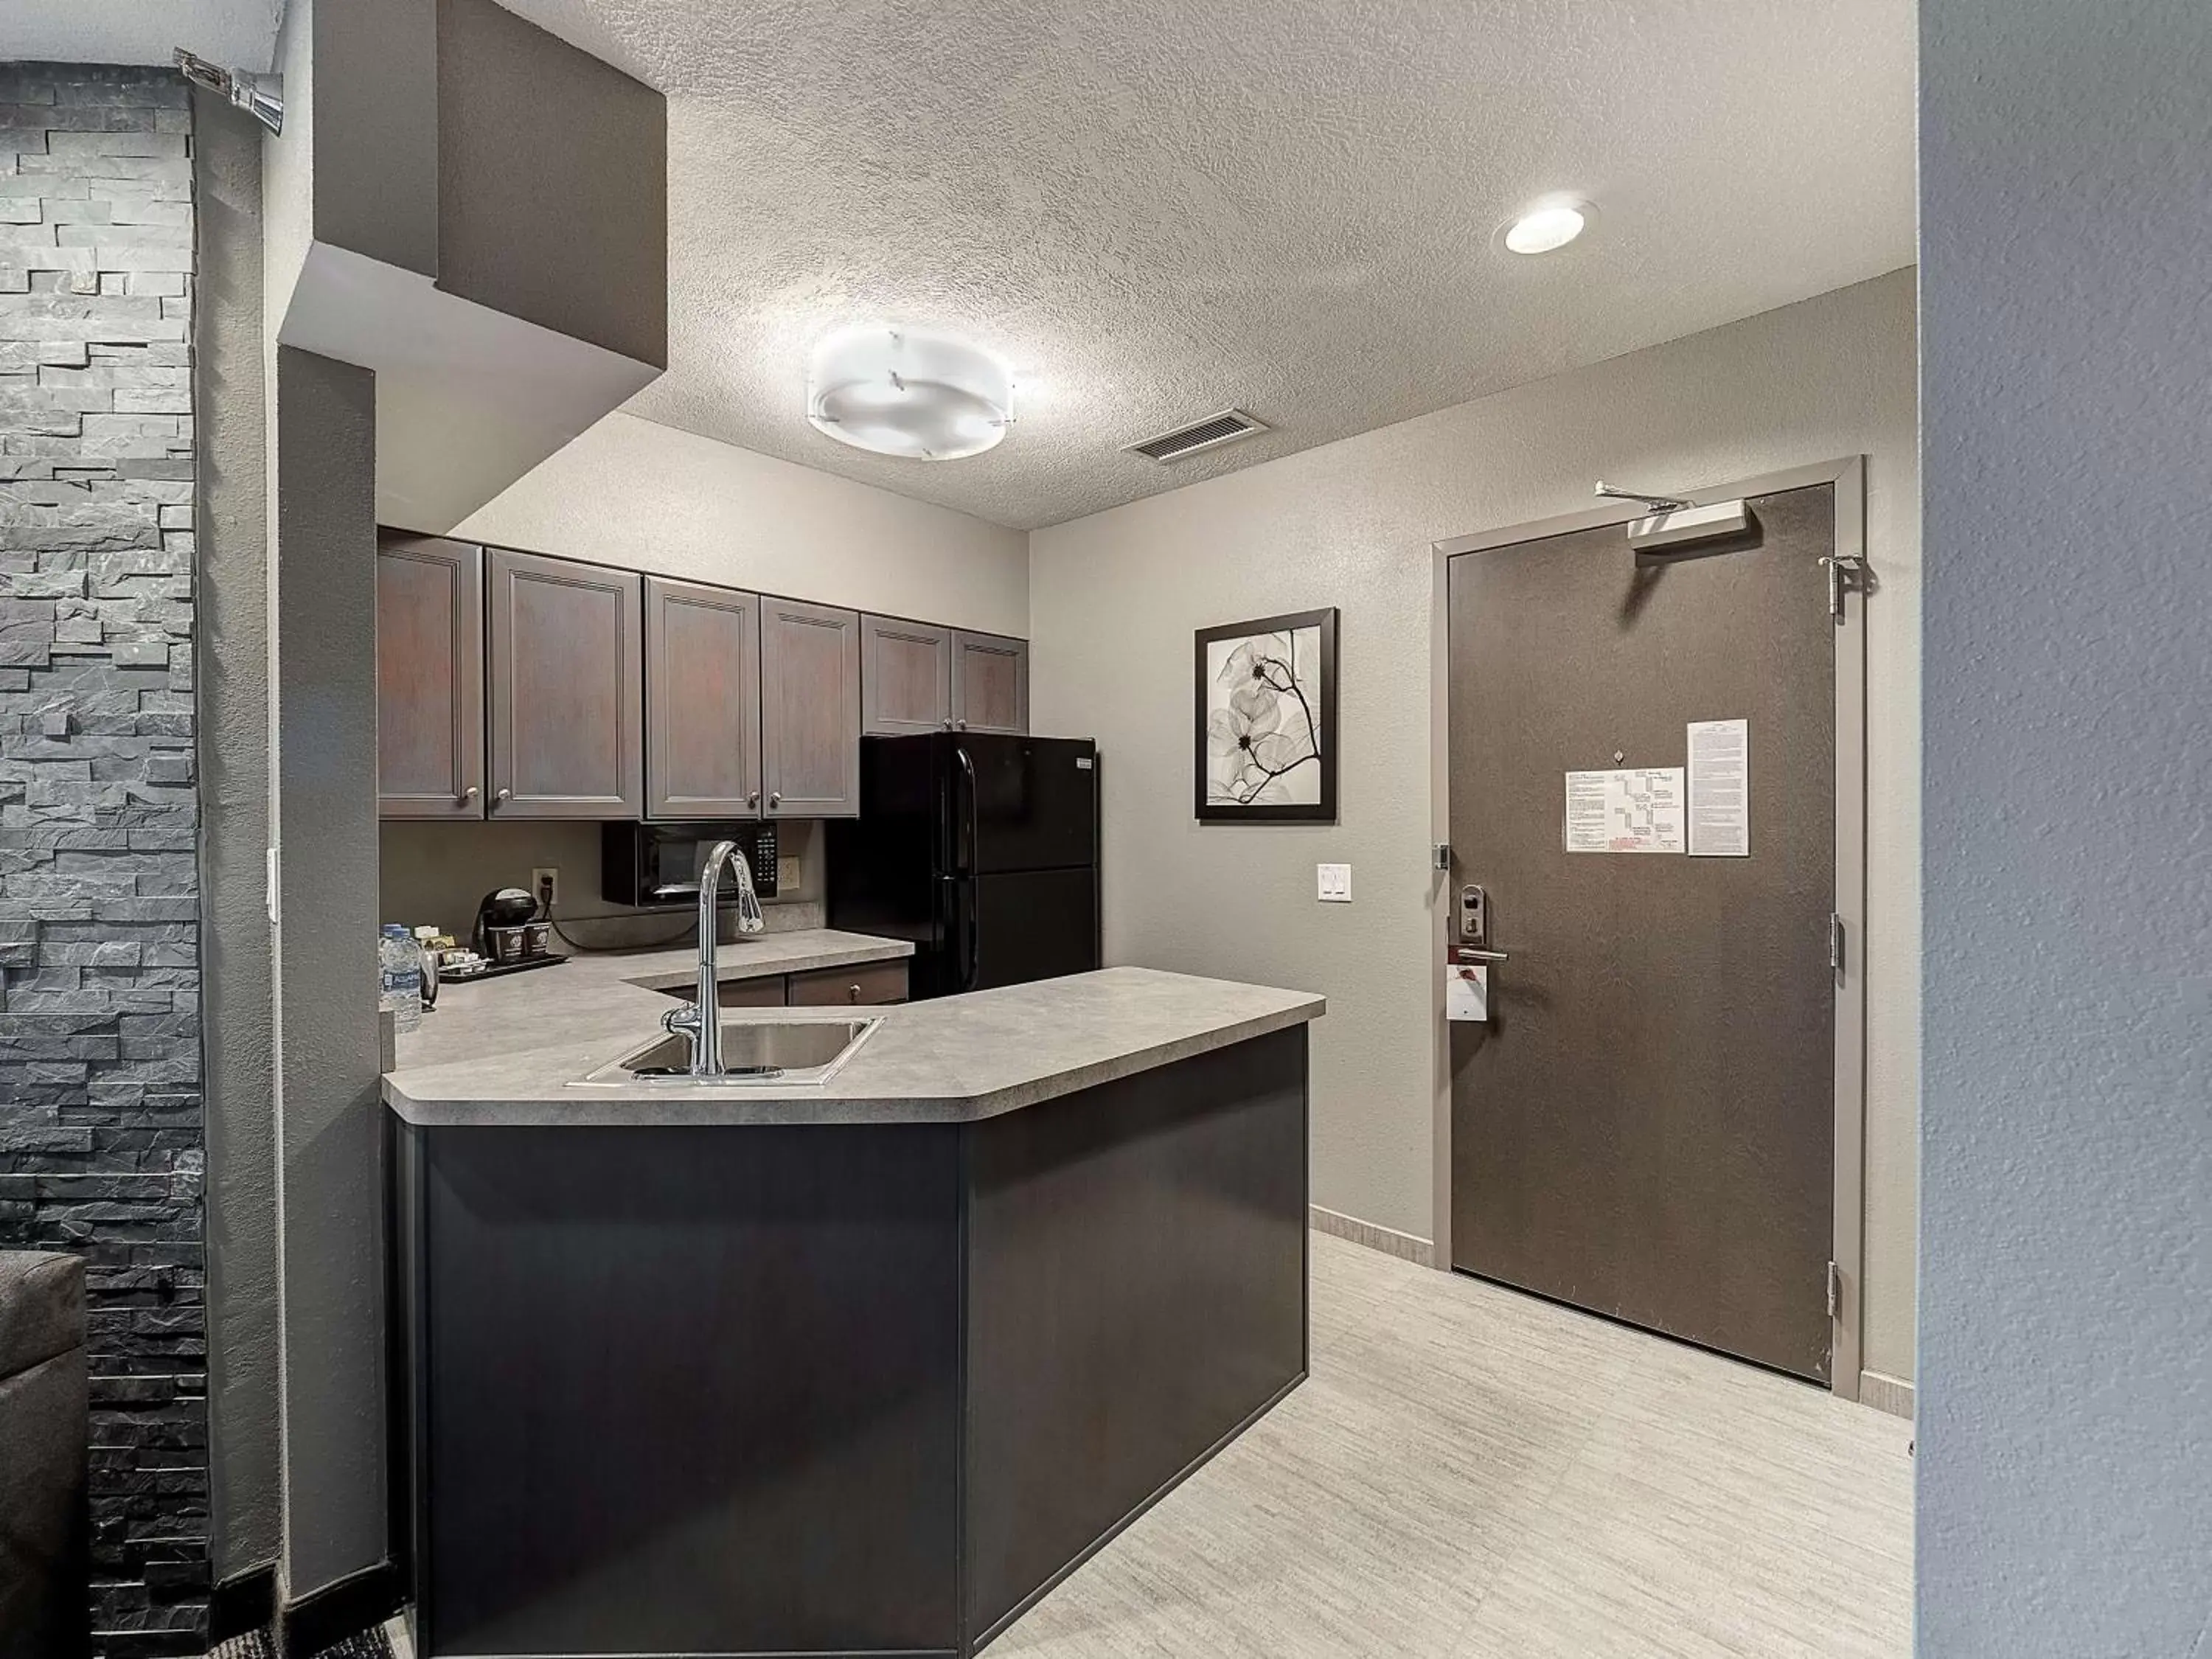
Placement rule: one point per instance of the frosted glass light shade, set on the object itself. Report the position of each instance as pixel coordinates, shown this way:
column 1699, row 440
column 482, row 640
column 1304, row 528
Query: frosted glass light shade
column 905, row 392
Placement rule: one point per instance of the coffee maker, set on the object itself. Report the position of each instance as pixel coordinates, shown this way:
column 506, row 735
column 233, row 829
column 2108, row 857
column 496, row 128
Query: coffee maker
column 508, row 929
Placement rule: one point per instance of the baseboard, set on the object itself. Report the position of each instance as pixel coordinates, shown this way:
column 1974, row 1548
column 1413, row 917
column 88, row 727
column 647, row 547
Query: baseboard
column 1892, row 1394
column 241, row 1603
column 348, row 1608
column 1404, row 1246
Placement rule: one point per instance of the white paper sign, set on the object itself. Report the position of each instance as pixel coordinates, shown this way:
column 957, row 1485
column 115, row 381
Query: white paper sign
column 1720, row 789
column 1636, row 810
column 1466, row 993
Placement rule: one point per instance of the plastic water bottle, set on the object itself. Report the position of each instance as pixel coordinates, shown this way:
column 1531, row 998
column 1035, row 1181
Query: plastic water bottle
column 399, row 976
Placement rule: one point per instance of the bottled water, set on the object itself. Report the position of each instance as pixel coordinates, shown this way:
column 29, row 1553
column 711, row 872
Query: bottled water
column 399, row 976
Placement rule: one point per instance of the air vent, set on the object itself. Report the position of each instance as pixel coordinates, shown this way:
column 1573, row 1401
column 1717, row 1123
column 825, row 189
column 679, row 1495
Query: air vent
column 1213, row 431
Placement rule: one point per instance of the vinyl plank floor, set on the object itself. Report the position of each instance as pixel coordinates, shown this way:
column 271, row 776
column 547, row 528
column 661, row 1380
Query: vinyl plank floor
column 1474, row 1474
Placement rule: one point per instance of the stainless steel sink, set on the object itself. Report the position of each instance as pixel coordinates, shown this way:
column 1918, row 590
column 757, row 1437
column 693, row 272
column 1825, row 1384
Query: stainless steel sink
column 782, row 1051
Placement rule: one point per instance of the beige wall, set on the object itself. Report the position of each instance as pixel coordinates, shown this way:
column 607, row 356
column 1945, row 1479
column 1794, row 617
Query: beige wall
column 629, row 492
column 1114, row 598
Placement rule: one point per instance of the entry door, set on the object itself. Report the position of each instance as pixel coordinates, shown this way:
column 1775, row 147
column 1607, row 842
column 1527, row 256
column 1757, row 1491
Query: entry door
column 1644, row 1125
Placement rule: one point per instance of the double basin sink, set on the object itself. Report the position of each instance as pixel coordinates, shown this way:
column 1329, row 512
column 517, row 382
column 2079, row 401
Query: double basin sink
column 785, row 1052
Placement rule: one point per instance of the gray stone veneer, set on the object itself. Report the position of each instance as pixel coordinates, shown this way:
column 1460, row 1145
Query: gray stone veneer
column 101, row 1148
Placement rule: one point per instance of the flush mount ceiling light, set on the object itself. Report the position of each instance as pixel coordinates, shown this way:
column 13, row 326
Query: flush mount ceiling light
column 907, row 391
column 1547, row 227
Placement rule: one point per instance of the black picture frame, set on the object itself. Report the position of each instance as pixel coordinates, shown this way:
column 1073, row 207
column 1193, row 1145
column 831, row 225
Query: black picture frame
column 1323, row 811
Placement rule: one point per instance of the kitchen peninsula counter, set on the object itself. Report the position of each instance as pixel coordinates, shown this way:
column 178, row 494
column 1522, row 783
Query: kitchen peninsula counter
column 864, row 1367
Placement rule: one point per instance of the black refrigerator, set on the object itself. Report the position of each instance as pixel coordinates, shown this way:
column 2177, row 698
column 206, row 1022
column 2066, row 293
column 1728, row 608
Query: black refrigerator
column 982, row 849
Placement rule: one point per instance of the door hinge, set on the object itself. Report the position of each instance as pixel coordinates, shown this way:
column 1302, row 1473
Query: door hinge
column 1843, row 569
column 1835, row 943
column 1440, row 856
column 1835, row 1291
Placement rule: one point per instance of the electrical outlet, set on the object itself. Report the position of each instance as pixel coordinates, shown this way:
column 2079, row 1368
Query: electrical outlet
column 790, row 873
column 546, row 884
column 1333, row 882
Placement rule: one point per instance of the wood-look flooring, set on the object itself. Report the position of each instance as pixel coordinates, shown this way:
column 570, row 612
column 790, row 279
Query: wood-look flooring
column 1473, row 1474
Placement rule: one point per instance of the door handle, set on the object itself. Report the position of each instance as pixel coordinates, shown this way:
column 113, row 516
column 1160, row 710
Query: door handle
column 1481, row 954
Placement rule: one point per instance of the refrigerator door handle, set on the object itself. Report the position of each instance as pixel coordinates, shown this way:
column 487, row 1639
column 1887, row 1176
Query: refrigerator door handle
column 968, row 768
column 975, row 968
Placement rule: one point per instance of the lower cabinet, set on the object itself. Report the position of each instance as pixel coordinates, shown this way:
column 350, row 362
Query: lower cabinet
column 863, row 984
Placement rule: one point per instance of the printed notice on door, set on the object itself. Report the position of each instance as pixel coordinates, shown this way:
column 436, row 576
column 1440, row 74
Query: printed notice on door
column 1636, row 809
column 1720, row 789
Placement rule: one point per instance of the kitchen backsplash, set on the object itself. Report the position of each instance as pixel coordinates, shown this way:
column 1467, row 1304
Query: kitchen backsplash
column 438, row 873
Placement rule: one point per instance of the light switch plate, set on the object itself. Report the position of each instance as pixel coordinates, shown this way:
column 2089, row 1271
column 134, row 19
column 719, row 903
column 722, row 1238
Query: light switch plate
column 1333, row 882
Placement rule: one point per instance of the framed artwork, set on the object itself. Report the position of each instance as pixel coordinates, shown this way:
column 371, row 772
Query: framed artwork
column 1266, row 720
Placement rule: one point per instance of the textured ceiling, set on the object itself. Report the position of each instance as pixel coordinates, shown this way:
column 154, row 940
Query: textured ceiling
column 1155, row 208
column 236, row 33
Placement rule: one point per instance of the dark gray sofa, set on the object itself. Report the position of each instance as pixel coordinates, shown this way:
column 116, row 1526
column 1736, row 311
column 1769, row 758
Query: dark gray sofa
column 44, row 1405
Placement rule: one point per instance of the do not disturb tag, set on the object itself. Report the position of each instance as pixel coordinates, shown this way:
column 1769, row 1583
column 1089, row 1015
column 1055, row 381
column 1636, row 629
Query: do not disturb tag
column 1467, row 992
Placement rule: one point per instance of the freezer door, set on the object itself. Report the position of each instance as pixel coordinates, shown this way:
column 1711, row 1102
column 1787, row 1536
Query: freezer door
column 1025, row 803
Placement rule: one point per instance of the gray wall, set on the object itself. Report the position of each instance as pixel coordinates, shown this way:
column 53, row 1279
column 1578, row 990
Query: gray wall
column 1114, row 598
column 100, row 1110
column 632, row 493
column 323, row 763
column 233, row 660
column 537, row 140
column 2065, row 1450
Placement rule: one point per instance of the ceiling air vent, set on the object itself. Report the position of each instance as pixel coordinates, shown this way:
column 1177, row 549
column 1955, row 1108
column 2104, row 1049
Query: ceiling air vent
column 1211, row 433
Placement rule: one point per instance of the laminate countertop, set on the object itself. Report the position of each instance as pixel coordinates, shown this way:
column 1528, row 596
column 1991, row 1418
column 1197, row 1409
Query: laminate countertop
column 510, row 1055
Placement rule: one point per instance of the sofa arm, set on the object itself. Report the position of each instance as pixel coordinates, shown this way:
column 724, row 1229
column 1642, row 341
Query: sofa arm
column 44, row 1408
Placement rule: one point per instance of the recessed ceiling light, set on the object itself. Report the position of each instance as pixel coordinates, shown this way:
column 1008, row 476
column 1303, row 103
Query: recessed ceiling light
column 1546, row 229
column 908, row 391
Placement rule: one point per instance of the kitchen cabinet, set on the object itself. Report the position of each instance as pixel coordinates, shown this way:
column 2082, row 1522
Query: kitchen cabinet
column 864, row 984
column 566, row 689
column 906, row 676
column 702, row 704
column 810, row 710
column 429, row 678
column 990, row 684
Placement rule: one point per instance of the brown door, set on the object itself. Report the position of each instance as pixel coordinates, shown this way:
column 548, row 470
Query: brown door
column 1644, row 1125
column 701, row 702
column 429, row 678
column 906, row 676
column 990, row 684
column 568, row 721
column 810, row 709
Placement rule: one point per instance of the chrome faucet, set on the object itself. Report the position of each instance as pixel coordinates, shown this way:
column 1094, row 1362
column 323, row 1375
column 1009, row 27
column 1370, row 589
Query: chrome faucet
column 702, row 1021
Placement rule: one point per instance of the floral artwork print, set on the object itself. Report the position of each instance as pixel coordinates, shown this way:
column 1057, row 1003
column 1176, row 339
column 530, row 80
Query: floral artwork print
column 1264, row 732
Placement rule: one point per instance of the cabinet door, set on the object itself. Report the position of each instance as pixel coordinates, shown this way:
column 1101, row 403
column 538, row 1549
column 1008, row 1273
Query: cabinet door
column 990, row 684
column 567, row 717
column 429, row 678
column 701, row 702
column 810, row 709
column 906, row 676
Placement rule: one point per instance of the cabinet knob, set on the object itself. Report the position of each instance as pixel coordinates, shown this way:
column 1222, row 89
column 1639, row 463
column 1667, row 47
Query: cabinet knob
column 960, row 726
column 504, row 794
column 775, row 798
column 854, row 992
column 753, row 799
column 469, row 794
column 947, row 723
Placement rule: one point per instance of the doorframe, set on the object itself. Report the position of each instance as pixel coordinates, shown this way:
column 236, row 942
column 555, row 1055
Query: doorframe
column 1848, row 477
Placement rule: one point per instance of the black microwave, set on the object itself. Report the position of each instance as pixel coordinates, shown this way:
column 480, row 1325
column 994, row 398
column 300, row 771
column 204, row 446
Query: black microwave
column 656, row 866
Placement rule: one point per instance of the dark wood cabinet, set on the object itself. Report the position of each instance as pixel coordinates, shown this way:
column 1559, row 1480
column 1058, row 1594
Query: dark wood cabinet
column 566, row 689
column 429, row 678
column 990, row 684
column 862, row 984
column 703, row 680
column 810, row 710
column 906, row 676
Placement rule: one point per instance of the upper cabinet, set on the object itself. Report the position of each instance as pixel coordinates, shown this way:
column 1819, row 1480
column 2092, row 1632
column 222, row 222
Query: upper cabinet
column 990, row 684
column 702, row 702
column 567, row 690
column 429, row 678
column 810, row 710
column 906, row 676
